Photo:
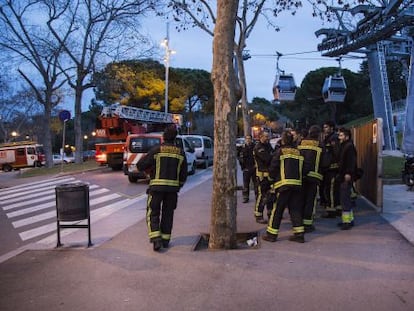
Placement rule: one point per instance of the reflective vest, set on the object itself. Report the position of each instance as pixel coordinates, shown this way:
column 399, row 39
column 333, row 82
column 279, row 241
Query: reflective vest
column 311, row 151
column 289, row 173
column 168, row 167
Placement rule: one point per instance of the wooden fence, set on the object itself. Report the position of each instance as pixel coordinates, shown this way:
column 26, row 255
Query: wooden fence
column 368, row 140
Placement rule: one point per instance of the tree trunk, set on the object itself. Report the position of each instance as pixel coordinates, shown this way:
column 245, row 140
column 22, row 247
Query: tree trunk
column 47, row 137
column 78, row 120
column 243, row 87
column 223, row 226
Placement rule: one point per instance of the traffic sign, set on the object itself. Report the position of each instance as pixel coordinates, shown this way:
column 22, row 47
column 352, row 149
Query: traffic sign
column 64, row 115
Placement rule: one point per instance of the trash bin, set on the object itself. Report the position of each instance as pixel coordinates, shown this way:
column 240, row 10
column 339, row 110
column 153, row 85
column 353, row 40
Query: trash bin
column 72, row 201
column 72, row 204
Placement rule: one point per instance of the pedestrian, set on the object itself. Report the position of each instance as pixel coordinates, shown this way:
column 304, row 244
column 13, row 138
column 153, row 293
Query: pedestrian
column 248, row 166
column 346, row 176
column 286, row 171
column 329, row 192
column 311, row 150
column 168, row 172
column 262, row 155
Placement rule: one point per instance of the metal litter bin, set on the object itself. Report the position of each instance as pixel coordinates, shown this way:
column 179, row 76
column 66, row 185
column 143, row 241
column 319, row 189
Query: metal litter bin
column 72, row 204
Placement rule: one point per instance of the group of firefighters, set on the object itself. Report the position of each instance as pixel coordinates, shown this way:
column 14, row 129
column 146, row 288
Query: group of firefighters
column 295, row 173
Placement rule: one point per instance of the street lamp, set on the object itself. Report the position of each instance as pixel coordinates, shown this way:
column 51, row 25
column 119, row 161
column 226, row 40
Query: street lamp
column 168, row 52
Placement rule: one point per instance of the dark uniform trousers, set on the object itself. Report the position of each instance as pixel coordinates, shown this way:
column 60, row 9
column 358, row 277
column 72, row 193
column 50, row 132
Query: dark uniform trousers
column 263, row 198
column 293, row 199
column 309, row 190
column 249, row 175
column 161, row 227
column 330, row 191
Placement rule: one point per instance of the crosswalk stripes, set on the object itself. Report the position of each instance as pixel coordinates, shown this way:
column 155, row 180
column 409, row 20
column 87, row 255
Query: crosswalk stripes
column 31, row 207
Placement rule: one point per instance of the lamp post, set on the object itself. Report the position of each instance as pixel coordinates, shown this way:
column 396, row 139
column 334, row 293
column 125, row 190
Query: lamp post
column 168, row 52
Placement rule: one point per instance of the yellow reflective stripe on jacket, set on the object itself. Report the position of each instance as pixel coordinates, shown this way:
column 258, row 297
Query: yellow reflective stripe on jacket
column 289, row 181
column 157, row 181
column 285, row 182
column 262, row 174
column 318, row 151
column 315, row 175
column 164, row 182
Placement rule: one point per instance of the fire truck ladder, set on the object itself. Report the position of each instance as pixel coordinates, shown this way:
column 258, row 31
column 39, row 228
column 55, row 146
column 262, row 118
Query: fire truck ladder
column 139, row 114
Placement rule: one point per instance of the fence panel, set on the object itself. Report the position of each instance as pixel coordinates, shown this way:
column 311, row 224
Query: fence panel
column 368, row 141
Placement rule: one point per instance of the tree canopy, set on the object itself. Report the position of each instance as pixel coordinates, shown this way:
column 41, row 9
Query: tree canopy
column 140, row 83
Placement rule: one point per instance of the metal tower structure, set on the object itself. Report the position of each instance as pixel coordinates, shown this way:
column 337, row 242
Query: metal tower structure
column 377, row 25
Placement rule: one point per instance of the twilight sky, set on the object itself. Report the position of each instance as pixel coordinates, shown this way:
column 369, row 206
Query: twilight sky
column 194, row 50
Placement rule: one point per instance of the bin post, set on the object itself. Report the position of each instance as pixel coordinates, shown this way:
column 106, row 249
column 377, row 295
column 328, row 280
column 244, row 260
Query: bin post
column 72, row 204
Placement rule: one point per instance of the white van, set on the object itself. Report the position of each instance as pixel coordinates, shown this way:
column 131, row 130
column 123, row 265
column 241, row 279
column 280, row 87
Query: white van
column 137, row 146
column 204, row 149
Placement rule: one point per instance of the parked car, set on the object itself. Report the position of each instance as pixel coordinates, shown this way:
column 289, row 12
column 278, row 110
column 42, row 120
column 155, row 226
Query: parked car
column 204, row 149
column 57, row 159
column 190, row 156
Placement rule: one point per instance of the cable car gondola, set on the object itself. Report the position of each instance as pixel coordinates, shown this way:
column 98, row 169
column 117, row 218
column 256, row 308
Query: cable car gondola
column 284, row 87
column 334, row 89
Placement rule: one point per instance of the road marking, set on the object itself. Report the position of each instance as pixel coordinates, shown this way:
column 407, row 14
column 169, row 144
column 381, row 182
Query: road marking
column 17, row 192
column 95, row 216
column 48, row 205
column 29, row 186
column 41, row 199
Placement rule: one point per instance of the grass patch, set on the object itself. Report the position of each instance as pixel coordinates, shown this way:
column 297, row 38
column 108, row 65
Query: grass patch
column 392, row 167
column 65, row 168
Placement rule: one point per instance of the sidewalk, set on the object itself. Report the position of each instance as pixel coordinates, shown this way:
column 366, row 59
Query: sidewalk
column 370, row 267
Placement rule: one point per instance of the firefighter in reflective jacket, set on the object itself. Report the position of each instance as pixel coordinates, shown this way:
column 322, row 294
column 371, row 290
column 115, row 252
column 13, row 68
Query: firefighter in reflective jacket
column 311, row 149
column 168, row 172
column 262, row 153
column 286, row 171
column 329, row 188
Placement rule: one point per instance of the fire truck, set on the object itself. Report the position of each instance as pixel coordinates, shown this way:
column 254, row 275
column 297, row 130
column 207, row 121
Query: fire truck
column 118, row 121
column 21, row 154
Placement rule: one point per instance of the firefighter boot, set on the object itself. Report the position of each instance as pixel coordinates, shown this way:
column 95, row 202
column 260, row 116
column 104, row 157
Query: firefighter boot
column 309, row 228
column 165, row 243
column 157, row 244
column 269, row 237
column 298, row 237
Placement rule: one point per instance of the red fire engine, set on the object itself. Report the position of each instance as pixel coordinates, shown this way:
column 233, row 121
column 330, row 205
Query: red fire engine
column 21, row 154
column 117, row 121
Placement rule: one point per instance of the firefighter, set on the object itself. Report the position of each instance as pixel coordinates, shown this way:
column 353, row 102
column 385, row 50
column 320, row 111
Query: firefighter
column 311, row 149
column 346, row 177
column 248, row 166
column 286, row 171
column 262, row 156
column 329, row 192
column 168, row 173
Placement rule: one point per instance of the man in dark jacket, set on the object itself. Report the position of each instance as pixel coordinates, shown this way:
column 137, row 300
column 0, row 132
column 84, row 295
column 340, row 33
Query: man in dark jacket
column 346, row 176
column 168, row 172
column 247, row 164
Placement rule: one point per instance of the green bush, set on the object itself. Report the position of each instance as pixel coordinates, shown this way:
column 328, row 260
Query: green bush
column 392, row 167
